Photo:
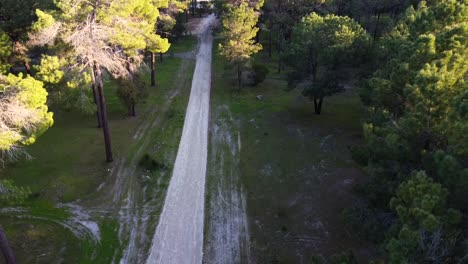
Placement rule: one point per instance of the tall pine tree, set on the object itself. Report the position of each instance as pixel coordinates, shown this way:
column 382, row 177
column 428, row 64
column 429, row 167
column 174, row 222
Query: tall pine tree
column 101, row 35
column 239, row 31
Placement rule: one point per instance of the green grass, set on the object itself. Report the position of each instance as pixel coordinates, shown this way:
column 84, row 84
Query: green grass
column 69, row 164
column 42, row 240
column 39, row 241
column 105, row 250
column 68, row 160
column 294, row 165
column 184, row 44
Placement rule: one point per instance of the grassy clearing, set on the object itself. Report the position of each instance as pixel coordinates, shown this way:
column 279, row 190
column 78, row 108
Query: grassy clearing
column 68, row 165
column 68, row 160
column 184, row 44
column 295, row 166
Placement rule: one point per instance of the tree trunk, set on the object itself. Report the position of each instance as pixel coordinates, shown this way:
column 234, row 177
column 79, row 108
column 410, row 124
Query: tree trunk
column 314, row 72
column 105, row 122
column 315, row 105
column 27, row 66
column 193, row 7
column 377, row 22
column 20, row 51
column 153, row 69
column 269, row 44
column 93, row 76
column 279, row 63
column 96, row 99
column 318, row 105
column 131, row 110
column 280, row 47
column 239, row 78
column 6, row 248
column 160, row 56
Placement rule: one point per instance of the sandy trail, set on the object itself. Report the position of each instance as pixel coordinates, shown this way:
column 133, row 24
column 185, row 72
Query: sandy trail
column 179, row 234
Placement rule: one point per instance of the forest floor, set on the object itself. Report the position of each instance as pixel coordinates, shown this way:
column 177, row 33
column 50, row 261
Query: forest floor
column 84, row 209
column 279, row 176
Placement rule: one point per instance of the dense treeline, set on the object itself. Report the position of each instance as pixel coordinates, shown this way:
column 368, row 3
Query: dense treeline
column 415, row 133
column 411, row 61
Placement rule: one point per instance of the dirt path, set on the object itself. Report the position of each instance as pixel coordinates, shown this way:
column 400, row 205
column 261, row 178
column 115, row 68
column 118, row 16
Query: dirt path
column 179, row 234
column 134, row 214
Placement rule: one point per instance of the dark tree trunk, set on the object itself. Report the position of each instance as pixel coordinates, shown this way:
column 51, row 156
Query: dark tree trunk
column 6, row 248
column 279, row 63
column 239, row 78
column 27, row 66
column 315, row 105
column 318, row 105
column 340, row 10
column 314, row 72
column 193, row 7
column 153, row 69
column 96, row 101
column 105, row 122
column 160, row 56
column 94, row 85
column 377, row 22
column 131, row 110
column 269, row 44
column 280, row 48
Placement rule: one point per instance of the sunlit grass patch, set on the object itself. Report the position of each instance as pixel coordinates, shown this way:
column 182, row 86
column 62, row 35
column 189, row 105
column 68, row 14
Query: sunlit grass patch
column 184, row 44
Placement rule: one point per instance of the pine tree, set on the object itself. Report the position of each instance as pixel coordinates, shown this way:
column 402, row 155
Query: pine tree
column 318, row 42
column 417, row 122
column 239, row 31
column 24, row 114
column 16, row 18
column 101, row 35
column 157, row 44
column 421, row 205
